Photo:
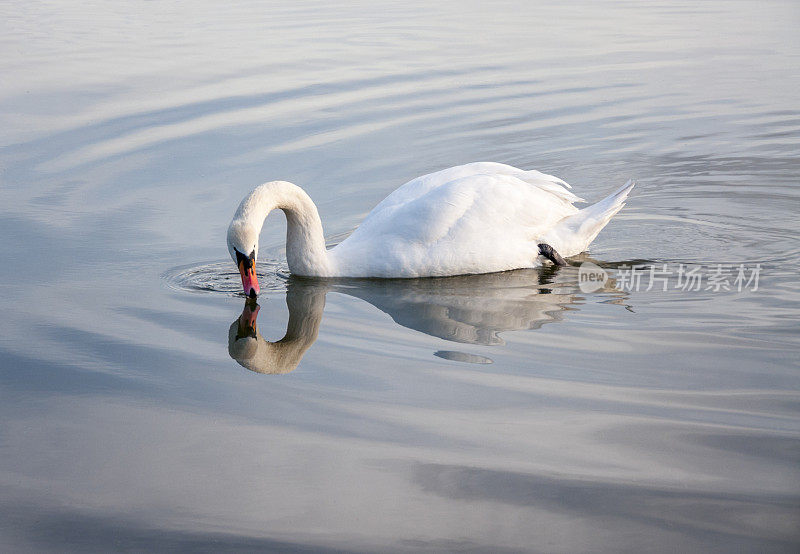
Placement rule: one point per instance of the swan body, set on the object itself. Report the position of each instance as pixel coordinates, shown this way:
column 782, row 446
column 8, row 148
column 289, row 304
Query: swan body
column 476, row 218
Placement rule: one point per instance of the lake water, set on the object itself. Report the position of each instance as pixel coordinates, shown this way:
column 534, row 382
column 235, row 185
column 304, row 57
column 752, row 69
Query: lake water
column 144, row 407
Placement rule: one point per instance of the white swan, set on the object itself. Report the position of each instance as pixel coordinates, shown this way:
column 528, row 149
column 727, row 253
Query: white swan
column 475, row 218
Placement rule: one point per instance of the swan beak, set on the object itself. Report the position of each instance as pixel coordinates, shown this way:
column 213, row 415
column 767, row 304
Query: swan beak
column 249, row 279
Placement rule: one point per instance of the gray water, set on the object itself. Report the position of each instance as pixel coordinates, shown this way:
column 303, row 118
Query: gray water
column 146, row 407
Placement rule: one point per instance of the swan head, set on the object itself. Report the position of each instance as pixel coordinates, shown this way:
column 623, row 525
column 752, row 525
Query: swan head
column 243, row 248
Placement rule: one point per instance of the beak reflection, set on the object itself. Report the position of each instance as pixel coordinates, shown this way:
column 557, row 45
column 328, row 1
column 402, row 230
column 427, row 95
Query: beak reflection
column 247, row 321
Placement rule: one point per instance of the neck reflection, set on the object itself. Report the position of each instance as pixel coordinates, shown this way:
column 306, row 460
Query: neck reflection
column 254, row 352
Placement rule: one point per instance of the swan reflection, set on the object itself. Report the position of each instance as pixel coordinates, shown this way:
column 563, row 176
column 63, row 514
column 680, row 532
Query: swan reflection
column 471, row 309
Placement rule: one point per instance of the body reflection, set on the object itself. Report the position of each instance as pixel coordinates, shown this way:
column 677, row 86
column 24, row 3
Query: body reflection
column 471, row 309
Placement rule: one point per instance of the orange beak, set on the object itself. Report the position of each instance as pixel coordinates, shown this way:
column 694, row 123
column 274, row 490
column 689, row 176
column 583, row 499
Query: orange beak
column 249, row 279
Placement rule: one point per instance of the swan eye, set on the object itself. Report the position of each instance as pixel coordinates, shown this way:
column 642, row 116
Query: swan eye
column 242, row 259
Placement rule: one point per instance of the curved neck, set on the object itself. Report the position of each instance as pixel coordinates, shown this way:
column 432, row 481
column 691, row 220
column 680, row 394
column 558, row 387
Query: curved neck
column 305, row 242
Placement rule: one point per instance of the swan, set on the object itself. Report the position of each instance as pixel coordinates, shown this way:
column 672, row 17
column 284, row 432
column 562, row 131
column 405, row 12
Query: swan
column 481, row 217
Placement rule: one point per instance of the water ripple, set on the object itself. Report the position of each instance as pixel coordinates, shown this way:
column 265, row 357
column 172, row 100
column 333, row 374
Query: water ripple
column 222, row 277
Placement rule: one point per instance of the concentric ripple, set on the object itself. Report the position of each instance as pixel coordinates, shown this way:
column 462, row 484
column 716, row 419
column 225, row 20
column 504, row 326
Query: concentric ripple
column 222, row 277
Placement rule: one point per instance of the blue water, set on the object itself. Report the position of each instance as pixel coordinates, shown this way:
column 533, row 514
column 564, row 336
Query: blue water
column 146, row 407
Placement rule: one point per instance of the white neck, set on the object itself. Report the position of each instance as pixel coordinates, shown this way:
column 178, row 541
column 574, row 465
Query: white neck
column 305, row 242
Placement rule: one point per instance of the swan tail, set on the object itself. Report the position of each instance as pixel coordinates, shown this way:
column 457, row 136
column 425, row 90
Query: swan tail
column 573, row 234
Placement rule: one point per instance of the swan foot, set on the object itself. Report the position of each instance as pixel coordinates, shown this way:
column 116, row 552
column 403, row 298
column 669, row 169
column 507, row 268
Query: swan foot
column 550, row 253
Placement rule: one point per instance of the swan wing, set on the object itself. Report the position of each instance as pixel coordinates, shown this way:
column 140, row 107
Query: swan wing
column 421, row 186
column 473, row 223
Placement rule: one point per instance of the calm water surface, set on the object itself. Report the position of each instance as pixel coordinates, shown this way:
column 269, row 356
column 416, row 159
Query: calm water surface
column 146, row 407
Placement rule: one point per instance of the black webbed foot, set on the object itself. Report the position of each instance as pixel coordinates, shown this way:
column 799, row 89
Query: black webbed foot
column 550, row 253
